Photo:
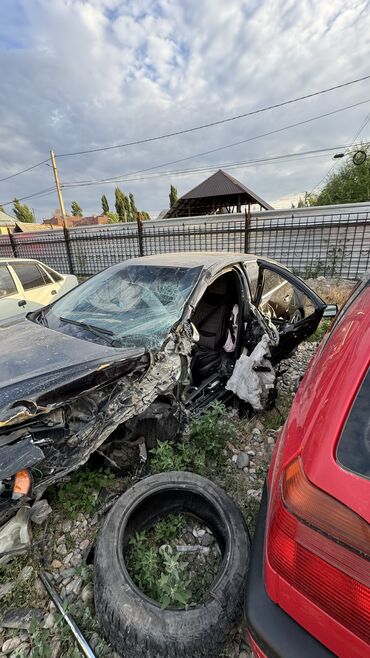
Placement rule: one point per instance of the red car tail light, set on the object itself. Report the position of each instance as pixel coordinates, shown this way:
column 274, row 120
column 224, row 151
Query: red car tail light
column 322, row 549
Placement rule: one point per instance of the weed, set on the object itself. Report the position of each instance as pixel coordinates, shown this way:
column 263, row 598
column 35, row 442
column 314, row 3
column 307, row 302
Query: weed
column 79, row 493
column 173, row 585
column 166, row 576
column 211, row 432
column 207, row 436
column 320, row 331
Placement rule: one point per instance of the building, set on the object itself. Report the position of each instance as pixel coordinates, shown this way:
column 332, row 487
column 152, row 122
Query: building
column 220, row 193
column 71, row 221
column 6, row 221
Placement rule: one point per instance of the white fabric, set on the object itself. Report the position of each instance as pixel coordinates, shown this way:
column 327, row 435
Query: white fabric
column 231, row 335
column 246, row 383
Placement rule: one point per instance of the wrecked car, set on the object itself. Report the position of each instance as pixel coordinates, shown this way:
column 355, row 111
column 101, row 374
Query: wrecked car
column 123, row 358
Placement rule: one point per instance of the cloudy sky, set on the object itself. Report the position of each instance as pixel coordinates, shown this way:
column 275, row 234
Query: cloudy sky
column 81, row 74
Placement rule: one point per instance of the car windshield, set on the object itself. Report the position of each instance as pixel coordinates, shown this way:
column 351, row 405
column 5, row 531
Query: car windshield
column 132, row 305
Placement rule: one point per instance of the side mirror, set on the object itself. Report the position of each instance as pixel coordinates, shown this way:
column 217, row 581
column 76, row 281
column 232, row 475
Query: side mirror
column 330, row 311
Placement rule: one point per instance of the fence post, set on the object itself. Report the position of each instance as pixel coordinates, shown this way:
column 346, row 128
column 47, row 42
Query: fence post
column 12, row 242
column 140, row 233
column 68, row 248
column 247, row 222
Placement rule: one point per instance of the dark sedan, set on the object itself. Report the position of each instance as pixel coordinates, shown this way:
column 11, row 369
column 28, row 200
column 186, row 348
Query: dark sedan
column 126, row 355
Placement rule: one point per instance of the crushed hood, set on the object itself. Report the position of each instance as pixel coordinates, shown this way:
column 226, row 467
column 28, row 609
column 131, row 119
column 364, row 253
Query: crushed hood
column 35, row 360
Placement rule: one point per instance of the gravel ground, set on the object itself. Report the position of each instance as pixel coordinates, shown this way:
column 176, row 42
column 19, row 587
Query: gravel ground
column 22, row 596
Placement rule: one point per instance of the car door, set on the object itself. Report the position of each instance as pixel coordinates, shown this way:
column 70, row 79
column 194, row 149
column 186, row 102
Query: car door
column 12, row 300
column 286, row 302
column 37, row 285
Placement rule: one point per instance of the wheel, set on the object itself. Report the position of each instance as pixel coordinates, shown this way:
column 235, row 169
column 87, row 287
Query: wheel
column 136, row 625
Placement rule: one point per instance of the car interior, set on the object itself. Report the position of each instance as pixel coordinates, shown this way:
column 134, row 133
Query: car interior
column 217, row 320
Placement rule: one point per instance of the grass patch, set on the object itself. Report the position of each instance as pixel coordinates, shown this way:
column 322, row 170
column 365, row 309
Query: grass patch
column 80, row 492
column 321, row 330
column 201, row 449
column 162, row 572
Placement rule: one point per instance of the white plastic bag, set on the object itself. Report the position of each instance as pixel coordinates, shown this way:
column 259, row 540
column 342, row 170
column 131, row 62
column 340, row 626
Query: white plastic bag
column 248, row 384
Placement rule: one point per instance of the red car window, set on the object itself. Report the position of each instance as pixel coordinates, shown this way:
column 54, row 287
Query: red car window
column 354, row 445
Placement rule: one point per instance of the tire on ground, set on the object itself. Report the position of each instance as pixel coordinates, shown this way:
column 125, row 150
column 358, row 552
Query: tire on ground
column 135, row 625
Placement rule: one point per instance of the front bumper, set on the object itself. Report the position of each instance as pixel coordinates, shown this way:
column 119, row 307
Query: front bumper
column 274, row 632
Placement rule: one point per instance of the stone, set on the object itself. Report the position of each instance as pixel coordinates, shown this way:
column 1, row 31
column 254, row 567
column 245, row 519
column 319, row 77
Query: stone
column 67, row 573
column 85, row 544
column 68, row 558
column 61, row 549
column 87, row 594
column 56, row 564
column 49, row 620
column 61, row 540
column 21, row 617
column 67, row 526
column 6, row 588
column 25, row 574
column 242, row 460
column 234, row 458
column 55, row 649
column 256, row 431
column 10, row 644
column 207, row 539
column 198, row 534
column 22, row 651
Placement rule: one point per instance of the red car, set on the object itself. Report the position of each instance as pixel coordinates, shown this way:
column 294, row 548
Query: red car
column 308, row 593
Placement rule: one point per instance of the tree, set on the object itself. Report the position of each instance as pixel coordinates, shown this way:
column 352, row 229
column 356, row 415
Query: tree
column 76, row 209
column 173, row 196
column 133, row 209
column 351, row 184
column 22, row 212
column 113, row 217
column 122, row 205
column 105, row 204
column 144, row 215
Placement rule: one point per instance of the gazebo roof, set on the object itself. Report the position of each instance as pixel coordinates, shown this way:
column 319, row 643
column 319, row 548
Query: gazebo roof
column 218, row 190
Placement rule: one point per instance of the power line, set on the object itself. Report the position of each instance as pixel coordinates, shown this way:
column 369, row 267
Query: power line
column 297, row 156
column 214, row 123
column 23, row 171
column 333, row 166
column 49, row 190
column 219, row 148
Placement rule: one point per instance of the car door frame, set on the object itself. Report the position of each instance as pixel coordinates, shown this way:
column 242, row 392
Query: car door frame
column 290, row 334
column 31, row 290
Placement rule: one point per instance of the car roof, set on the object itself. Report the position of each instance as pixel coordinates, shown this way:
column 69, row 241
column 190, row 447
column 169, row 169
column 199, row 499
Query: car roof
column 195, row 258
column 17, row 260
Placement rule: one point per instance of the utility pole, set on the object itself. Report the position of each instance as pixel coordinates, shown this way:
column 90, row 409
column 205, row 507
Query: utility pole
column 57, row 183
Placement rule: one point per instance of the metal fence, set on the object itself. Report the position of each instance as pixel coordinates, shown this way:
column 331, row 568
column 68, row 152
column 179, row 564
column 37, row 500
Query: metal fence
column 334, row 242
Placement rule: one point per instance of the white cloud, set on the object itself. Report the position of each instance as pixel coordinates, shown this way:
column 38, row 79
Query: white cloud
column 84, row 73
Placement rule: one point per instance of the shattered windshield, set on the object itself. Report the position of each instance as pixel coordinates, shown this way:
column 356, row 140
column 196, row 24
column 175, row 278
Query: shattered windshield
column 131, row 305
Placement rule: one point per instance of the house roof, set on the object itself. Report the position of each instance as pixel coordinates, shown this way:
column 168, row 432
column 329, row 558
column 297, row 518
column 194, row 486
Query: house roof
column 6, row 219
column 219, row 190
column 222, row 184
column 30, row 227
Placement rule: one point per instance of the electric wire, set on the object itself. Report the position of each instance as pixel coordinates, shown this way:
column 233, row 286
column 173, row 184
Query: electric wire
column 226, row 146
column 23, row 171
column 213, row 123
column 268, row 160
